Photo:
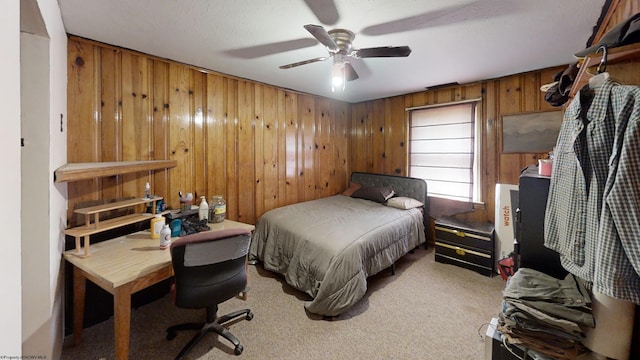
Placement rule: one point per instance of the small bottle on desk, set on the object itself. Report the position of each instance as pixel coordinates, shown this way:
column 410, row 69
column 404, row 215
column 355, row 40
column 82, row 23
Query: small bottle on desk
column 203, row 212
column 165, row 237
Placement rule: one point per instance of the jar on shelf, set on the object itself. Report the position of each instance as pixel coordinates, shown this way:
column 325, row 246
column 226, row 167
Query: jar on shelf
column 217, row 209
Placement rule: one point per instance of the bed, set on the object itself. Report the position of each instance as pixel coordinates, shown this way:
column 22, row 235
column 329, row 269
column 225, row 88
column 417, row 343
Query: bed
column 328, row 247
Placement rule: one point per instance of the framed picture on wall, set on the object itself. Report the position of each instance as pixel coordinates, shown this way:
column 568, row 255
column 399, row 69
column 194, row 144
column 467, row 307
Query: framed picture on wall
column 530, row 132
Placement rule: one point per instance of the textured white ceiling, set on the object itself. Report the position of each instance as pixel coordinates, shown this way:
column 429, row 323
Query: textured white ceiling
column 451, row 40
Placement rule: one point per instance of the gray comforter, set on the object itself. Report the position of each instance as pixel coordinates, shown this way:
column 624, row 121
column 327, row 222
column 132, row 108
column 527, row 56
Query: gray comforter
column 328, row 247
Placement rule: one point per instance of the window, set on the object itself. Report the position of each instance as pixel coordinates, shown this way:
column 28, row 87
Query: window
column 443, row 150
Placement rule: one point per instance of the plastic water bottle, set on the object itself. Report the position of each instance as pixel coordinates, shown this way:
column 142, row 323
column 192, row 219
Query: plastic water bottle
column 165, row 237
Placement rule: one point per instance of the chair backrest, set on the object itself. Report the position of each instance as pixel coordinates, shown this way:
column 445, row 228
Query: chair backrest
column 209, row 267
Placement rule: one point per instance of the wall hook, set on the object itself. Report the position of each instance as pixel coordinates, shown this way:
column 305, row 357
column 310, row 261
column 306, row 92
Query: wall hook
column 602, row 67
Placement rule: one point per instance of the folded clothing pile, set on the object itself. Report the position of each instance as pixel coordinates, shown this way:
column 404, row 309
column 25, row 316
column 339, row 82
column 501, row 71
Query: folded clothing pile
column 545, row 314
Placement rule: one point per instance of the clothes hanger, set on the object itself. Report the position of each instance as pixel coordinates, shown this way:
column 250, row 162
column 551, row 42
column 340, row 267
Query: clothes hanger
column 601, row 74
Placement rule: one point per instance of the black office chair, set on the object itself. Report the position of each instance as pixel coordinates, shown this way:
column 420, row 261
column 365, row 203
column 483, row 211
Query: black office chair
column 209, row 268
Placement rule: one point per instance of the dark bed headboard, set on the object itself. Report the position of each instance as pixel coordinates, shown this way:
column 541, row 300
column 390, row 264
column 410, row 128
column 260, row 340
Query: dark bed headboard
column 402, row 185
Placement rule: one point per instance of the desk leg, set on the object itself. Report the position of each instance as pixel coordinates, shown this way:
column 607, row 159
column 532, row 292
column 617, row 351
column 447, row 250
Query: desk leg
column 122, row 320
column 79, row 290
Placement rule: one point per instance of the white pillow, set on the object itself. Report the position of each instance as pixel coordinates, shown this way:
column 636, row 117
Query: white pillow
column 401, row 202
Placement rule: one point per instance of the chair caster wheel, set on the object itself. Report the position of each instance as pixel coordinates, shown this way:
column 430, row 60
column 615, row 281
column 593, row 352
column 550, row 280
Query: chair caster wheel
column 171, row 335
column 238, row 350
column 249, row 316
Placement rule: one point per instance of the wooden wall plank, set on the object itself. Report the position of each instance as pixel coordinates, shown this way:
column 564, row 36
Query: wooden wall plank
column 396, row 141
column 259, row 149
column 268, row 195
column 110, row 112
column 530, row 84
column 378, row 135
column 282, row 164
column 231, row 149
column 181, row 133
column 291, row 148
column 322, row 148
column 306, row 148
column 342, row 164
column 198, row 92
column 245, row 180
column 336, row 180
column 159, row 72
column 216, row 136
column 360, row 138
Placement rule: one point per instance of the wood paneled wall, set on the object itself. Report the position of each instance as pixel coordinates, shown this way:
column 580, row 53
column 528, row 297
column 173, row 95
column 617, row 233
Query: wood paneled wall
column 380, row 129
column 257, row 145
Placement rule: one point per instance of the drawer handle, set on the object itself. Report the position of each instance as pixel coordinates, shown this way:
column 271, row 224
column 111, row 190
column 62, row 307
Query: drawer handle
column 460, row 233
column 460, row 252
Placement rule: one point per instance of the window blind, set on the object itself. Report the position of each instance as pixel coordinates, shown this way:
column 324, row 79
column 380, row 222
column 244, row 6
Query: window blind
column 441, row 149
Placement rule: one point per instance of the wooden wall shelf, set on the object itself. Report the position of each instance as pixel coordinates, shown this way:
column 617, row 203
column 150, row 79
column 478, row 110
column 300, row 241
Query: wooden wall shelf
column 92, row 170
column 98, row 226
column 616, row 55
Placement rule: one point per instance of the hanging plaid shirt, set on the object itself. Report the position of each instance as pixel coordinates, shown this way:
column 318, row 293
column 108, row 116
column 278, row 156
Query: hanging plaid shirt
column 577, row 182
column 593, row 206
column 617, row 262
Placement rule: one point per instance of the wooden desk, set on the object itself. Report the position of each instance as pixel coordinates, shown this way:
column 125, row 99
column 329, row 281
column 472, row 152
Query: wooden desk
column 123, row 266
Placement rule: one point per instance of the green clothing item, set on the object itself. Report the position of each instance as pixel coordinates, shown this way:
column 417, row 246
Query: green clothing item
column 564, row 299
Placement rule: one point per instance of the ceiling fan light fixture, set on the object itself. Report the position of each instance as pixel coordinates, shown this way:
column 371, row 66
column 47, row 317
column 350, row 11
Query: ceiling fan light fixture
column 338, row 77
column 338, row 73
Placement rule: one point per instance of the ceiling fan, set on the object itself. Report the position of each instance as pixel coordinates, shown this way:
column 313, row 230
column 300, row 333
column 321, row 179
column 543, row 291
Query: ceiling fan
column 339, row 44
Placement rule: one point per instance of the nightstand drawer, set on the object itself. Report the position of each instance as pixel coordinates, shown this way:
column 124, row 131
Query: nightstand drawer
column 465, row 235
column 464, row 254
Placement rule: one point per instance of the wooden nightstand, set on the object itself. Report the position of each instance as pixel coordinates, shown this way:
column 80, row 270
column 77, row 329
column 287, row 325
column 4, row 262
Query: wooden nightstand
column 466, row 244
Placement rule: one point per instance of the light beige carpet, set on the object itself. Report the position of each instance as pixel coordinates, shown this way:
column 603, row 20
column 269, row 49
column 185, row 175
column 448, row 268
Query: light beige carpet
column 427, row 310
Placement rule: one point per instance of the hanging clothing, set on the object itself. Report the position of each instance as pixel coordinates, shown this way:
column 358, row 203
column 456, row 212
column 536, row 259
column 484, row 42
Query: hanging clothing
column 577, row 183
column 617, row 263
column 593, row 217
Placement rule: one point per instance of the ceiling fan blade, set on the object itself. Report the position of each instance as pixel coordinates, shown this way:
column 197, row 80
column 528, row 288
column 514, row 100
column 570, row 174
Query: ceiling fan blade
column 322, row 35
column 324, row 10
column 384, row 51
column 447, row 15
column 253, row 52
column 304, row 62
column 350, row 72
